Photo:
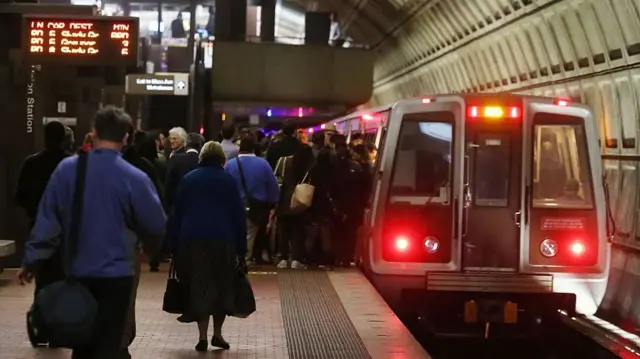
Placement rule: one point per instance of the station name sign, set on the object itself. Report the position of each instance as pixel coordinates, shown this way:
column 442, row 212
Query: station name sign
column 81, row 40
column 166, row 84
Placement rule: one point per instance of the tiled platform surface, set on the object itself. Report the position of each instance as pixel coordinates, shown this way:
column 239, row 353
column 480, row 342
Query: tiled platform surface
column 261, row 336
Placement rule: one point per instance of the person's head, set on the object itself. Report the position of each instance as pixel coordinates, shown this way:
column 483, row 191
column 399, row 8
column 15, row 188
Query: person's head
column 54, row 135
column 177, row 137
column 373, row 151
column 228, row 131
column 318, row 139
column 69, row 138
column 289, row 128
column 88, row 140
column 195, row 141
column 259, row 136
column 302, row 137
column 356, row 139
column 247, row 144
column 179, row 16
column 360, row 153
column 547, row 146
column 212, row 154
column 338, row 141
column 139, row 137
column 111, row 127
column 159, row 139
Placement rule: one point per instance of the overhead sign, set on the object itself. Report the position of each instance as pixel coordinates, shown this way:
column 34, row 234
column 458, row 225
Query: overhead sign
column 165, row 84
column 67, row 121
column 81, row 40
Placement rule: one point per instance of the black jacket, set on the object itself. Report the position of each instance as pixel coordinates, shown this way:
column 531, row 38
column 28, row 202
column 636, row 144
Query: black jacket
column 288, row 146
column 33, row 178
column 177, row 166
column 143, row 164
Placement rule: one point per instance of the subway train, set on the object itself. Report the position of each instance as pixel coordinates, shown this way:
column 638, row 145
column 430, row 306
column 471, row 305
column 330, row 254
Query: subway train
column 484, row 209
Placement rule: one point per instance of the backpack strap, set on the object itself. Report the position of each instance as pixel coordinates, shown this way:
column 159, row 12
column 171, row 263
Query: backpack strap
column 76, row 214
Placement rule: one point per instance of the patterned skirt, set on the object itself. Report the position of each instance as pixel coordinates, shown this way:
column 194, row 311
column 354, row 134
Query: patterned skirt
column 208, row 269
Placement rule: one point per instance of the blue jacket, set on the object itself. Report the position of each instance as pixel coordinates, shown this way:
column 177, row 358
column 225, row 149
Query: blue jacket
column 120, row 202
column 208, row 207
column 258, row 174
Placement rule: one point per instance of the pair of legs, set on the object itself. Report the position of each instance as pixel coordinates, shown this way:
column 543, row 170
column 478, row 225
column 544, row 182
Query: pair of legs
column 319, row 231
column 129, row 333
column 290, row 236
column 216, row 339
column 112, row 296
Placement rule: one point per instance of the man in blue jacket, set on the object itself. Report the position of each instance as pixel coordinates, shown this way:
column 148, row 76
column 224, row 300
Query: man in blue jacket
column 120, row 206
column 261, row 185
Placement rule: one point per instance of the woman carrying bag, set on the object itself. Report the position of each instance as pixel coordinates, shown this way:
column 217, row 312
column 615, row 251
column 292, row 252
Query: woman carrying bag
column 208, row 230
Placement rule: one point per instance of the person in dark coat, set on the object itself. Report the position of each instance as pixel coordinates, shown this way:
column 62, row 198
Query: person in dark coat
column 208, row 232
column 180, row 164
column 287, row 146
column 32, row 181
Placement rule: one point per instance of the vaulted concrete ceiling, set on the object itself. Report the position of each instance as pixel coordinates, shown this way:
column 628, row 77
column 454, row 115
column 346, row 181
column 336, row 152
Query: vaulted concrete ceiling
column 442, row 46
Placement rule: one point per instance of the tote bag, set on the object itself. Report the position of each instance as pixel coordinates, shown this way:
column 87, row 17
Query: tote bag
column 174, row 296
column 302, row 196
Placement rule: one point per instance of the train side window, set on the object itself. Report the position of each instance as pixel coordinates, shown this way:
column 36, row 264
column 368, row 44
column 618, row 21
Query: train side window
column 422, row 165
column 561, row 171
column 492, row 170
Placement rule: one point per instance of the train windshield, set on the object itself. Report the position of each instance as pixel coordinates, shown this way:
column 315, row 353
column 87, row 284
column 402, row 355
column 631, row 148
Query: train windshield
column 561, row 171
column 422, row 166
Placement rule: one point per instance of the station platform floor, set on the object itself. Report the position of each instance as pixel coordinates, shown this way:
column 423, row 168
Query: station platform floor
column 300, row 315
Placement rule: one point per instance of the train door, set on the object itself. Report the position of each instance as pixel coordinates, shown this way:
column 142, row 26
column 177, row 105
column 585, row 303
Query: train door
column 492, row 189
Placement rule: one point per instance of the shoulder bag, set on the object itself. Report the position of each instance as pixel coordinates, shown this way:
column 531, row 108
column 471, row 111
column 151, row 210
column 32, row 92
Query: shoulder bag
column 302, row 198
column 64, row 312
column 174, row 295
column 257, row 210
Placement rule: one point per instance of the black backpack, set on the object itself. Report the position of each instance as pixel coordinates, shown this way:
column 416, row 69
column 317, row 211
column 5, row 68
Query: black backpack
column 64, row 312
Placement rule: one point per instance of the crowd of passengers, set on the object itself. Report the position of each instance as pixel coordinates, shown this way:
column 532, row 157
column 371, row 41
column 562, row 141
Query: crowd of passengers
column 188, row 199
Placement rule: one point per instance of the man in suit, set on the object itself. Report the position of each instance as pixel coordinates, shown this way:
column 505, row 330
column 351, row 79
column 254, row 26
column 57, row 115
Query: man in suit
column 178, row 165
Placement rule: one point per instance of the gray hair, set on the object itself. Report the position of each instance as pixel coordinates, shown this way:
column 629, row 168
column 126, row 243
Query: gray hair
column 212, row 152
column 179, row 133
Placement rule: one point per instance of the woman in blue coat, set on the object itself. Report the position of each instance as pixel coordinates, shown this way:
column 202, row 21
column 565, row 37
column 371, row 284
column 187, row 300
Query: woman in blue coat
column 208, row 230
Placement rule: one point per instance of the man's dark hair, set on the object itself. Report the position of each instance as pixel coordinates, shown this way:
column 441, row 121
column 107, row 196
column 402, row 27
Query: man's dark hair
column 228, row 131
column 195, row 141
column 111, row 124
column 338, row 139
column 54, row 135
column 289, row 127
column 247, row 144
column 317, row 138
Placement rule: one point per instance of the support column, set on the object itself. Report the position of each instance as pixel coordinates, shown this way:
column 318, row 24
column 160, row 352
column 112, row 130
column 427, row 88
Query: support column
column 268, row 21
column 159, row 37
column 192, row 26
column 231, row 20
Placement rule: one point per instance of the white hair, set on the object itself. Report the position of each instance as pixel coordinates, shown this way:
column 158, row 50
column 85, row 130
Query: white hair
column 212, row 152
column 179, row 133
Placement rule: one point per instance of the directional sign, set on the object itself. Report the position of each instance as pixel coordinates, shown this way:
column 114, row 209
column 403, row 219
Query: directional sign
column 164, row 84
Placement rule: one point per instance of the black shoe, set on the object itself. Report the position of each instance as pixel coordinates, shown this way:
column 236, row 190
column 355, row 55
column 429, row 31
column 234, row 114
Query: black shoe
column 219, row 342
column 202, row 346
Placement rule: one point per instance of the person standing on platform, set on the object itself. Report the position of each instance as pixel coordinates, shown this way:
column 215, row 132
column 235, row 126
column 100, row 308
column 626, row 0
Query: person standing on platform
column 287, row 146
column 230, row 149
column 120, row 206
column 32, row 182
column 208, row 237
column 69, row 140
column 258, row 186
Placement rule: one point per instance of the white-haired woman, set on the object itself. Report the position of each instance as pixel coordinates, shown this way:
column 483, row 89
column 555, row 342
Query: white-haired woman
column 209, row 234
column 178, row 140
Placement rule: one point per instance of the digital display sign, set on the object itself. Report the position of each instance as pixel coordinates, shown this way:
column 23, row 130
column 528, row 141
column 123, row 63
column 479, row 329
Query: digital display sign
column 81, row 40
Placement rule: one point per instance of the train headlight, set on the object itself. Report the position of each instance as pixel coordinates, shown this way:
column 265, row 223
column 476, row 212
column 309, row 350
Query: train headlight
column 431, row 244
column 549, row 248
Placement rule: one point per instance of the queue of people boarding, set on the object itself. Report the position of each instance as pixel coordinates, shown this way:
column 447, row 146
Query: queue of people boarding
column 210, row 205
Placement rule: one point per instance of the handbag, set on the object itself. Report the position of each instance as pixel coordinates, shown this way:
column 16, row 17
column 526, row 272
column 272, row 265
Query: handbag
column 64, row 312
column 257, row 210
column 302, row 198
column 244, row 300
column 174, row 295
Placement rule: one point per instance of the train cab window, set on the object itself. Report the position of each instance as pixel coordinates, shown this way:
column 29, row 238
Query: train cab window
column 491, row 170
column 561, row 171
column 422, row 165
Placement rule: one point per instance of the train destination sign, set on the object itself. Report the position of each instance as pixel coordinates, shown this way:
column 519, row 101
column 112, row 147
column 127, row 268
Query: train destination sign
column 160, row 84
column 81, row 40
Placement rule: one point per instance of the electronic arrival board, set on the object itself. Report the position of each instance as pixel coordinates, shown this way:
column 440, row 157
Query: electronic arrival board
column 80, row 40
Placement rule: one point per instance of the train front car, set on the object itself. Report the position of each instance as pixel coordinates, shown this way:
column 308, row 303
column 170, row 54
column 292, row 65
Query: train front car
column 489, row 209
